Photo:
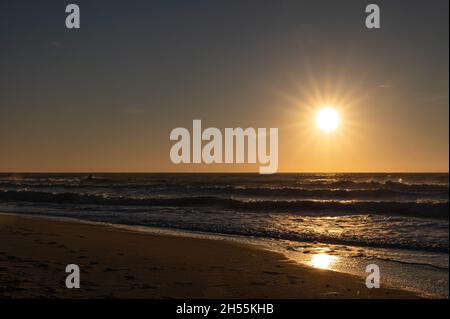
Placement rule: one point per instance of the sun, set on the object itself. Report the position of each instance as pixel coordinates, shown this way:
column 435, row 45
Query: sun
column 327, row 119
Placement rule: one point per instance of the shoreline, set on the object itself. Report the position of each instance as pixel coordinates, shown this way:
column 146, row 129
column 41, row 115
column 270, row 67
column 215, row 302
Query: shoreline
column 122, row 262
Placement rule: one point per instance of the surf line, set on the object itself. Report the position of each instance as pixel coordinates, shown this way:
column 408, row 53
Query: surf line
column 233, row 142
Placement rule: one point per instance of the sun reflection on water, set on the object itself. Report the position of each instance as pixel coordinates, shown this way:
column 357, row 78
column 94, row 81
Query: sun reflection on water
column 322, row 261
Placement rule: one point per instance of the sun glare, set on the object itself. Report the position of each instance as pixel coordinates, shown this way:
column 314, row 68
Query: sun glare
column 327, row 119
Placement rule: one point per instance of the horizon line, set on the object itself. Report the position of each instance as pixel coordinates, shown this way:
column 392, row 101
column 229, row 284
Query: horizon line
column 230, row 172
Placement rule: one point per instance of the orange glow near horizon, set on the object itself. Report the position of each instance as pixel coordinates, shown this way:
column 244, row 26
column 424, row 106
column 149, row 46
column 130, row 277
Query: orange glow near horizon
column 328, row 124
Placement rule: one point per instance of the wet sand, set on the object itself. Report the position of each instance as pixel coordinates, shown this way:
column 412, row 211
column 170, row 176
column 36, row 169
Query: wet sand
column 119, row 263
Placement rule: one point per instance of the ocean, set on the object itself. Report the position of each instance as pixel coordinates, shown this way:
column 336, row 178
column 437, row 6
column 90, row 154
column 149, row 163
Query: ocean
column 397, row 221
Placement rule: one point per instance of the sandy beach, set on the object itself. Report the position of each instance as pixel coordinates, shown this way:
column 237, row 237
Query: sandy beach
column 117, row 263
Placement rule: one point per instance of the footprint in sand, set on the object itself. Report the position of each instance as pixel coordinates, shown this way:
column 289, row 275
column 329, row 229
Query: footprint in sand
column 50, row 290
column 146, row 286
column 332, row 294
column 183, row 284
column 258, row 283
column 271, row 273
column 154, row 268
column 216, row 267
column 40, row 265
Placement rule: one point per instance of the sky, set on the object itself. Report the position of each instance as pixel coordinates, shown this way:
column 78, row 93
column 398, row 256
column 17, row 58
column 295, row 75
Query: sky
column 105, row 97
